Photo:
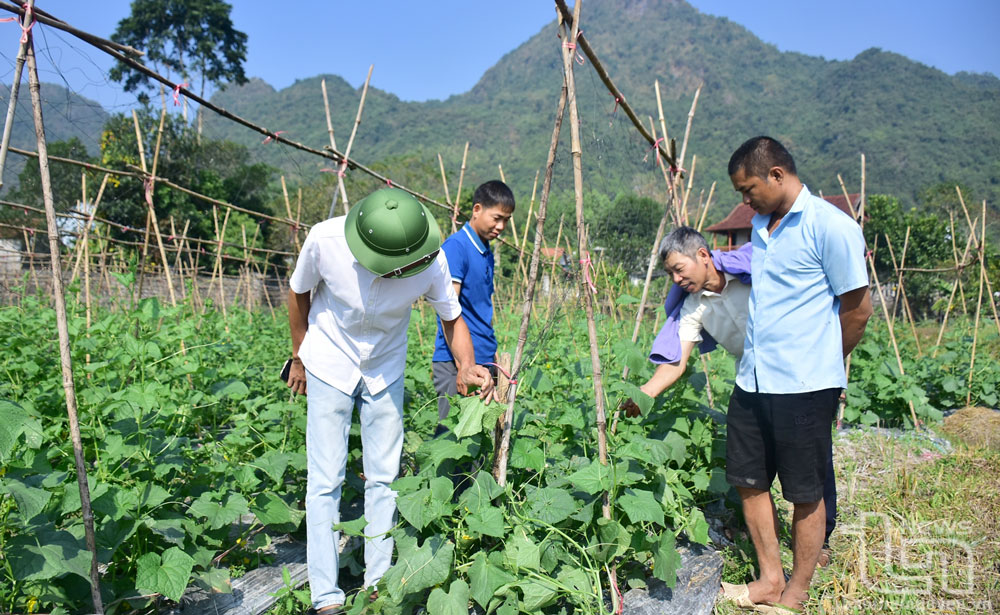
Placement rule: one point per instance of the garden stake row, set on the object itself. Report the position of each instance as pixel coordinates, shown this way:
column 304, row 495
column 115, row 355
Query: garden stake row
column 333, row 140
column 571, row 32
column 65, row 353
column 506, row 421
column 350, row 142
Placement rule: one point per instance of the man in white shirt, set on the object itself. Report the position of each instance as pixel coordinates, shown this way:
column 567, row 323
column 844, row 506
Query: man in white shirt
column 716, row 303
column 349, row 306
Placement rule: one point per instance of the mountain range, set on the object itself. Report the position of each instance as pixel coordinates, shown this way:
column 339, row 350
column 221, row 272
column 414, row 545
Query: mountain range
column 917, row 125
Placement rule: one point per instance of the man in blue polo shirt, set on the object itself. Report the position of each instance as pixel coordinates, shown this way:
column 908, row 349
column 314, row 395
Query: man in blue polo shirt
column 809, row 304
column 471, row 263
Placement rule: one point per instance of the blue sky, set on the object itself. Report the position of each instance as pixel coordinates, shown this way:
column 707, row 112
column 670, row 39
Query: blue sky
column 431, row 50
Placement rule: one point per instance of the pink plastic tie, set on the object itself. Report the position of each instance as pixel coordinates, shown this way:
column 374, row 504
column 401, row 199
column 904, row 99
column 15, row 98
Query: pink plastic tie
column 504, row 372
column 148, row 189
column 588, row 266
column 272, row 137
column 24, row 30
column 656, row 148
column 177, row 92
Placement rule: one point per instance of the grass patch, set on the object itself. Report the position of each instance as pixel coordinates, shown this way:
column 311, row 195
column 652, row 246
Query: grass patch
column 918, row 530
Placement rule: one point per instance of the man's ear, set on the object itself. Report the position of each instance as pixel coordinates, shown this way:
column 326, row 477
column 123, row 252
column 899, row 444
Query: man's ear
column 703, row 254
column 777, row 174
column 477, row 209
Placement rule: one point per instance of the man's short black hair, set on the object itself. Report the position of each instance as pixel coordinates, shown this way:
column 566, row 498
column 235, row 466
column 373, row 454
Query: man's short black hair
column 759, row 155
column 493, row 193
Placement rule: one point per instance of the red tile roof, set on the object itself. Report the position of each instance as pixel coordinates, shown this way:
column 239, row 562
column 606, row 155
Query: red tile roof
column 741, row 215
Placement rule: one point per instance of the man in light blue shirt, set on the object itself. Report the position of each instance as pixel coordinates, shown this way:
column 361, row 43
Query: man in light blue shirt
column 809, row 304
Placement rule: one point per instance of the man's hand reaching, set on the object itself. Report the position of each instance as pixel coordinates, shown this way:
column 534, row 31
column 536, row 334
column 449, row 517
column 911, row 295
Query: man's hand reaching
column 475, row 376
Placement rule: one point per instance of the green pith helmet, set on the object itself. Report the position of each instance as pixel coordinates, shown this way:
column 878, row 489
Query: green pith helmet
column 392, row 234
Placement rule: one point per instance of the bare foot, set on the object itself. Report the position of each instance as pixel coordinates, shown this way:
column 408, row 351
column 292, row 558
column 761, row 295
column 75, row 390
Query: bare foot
column 793, row 599
column 762, row 591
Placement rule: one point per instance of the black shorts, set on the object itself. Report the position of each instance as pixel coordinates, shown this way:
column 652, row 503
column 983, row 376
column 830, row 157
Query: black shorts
column 784, row 434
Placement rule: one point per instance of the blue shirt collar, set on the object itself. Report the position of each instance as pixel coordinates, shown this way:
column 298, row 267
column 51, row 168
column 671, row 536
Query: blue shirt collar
column 474, row 238
column 760, row 221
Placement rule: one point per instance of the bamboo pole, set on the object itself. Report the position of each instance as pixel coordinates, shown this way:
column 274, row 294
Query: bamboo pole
column 907, row 315
column 982, row 255
column 595, row 357
column 350, row 143
column 654, row 256
column 687, row 129
column 566, row 16
column 500, row 463
column 704, row 211
column 65, row 352
column 951, row 298
column 90, row 217
column 329, row 130
column 458, row 195
column 152, row 210
column 892, row 333
column 527, row 224
column 555, row 262
column 958, row 271
column 12, row 101
column 444, row 180
column 979, row 306
column 687, row 191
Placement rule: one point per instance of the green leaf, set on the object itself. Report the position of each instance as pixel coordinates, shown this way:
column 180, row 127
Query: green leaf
column 274, row 464
column 640, row 505
column 217, row 514
column 13, row 419
column 355, row 527
column 666, row 559
column 432, row 452
column 551, row 505
column 422, row 507
column 165, row 574
column 234, row 389
column 697, row 527
column 272, row 510
column 49, row 554
column 678, row 447
column 526, row 453
column 481, row 493
column 626, row 299
column 172, row 530
column 592, row 478
column 521, row 552
column 418, row 567
column 30, row 500
column 487, row 521
column 454, row 602
column 112, row 534
column 214, row 580
column 470, row 421
column 485, row 579
column 536, row 594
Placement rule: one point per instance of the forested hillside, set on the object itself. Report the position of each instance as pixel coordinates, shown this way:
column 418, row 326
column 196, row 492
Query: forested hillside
column 917, row 125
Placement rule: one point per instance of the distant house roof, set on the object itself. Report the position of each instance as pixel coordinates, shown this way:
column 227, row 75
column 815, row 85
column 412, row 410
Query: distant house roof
column 553, row 253
column 741, row 215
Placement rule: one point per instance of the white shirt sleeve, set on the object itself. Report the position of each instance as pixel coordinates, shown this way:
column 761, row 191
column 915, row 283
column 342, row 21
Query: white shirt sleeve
column 441, row 295
column 690, row 326
column 306, row 275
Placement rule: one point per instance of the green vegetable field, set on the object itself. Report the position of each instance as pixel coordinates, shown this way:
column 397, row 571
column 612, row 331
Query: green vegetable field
column 192, row 450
